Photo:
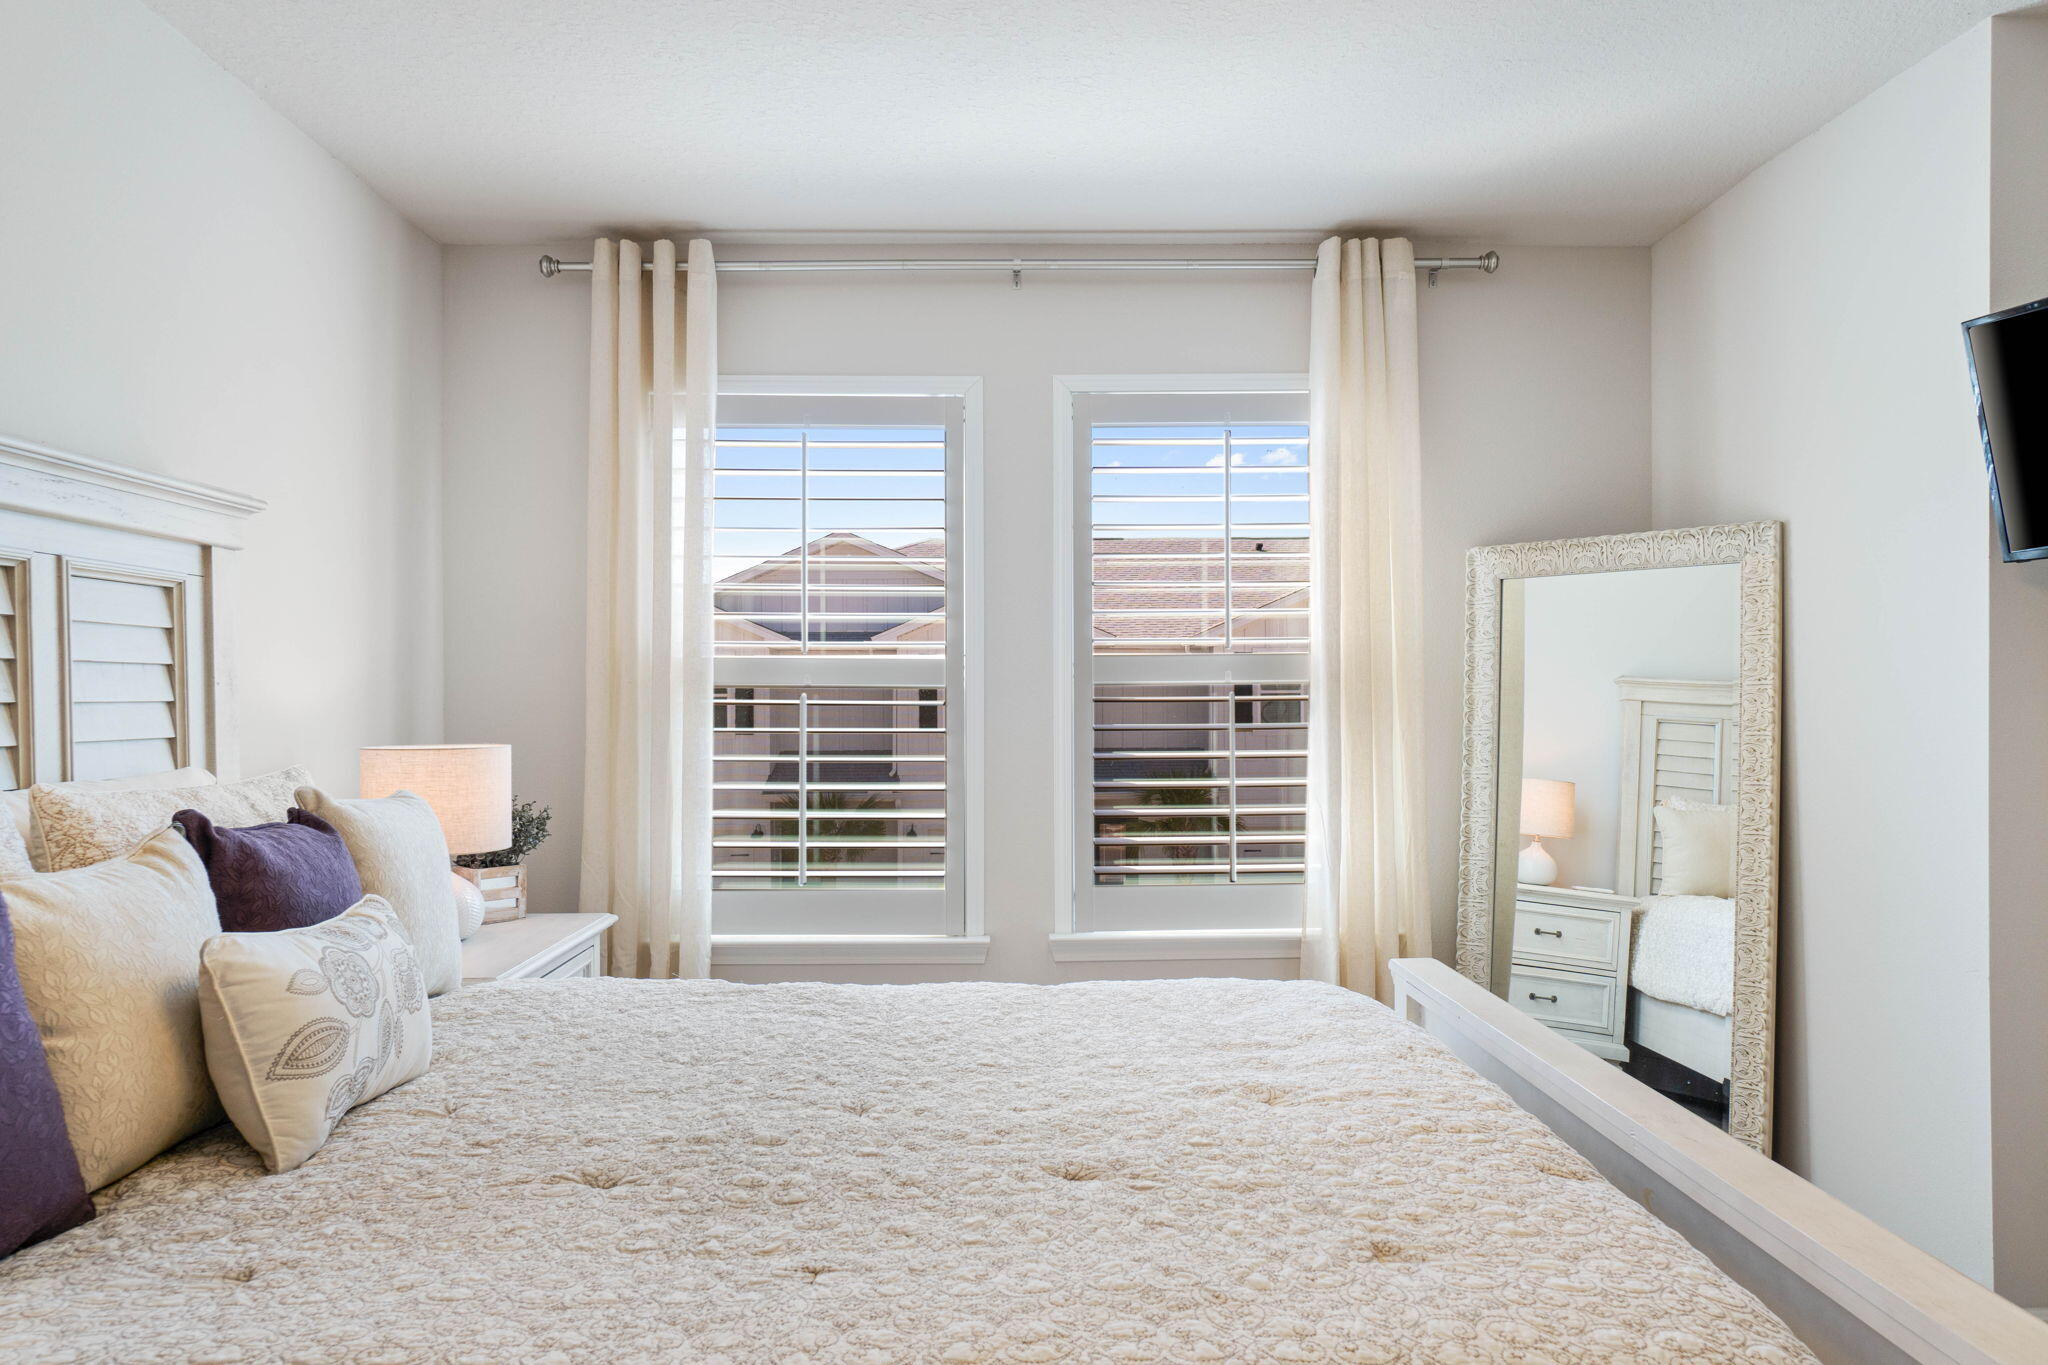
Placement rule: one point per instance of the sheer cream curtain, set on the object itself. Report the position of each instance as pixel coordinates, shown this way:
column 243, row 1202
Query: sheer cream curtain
column 647, row 669
column 1367, row 898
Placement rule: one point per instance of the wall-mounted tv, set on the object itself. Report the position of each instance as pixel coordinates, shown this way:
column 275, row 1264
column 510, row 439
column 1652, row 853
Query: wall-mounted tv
column 2009, row 370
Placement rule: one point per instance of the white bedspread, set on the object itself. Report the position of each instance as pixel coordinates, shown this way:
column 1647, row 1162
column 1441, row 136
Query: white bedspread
column 698, row 1171
column 1685, row 952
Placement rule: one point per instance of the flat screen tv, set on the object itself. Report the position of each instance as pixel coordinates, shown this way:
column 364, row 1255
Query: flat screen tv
column 2009, row 370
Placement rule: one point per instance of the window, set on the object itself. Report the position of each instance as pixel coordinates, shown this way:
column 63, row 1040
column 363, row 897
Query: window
column 1192, row 639
column 836, row 596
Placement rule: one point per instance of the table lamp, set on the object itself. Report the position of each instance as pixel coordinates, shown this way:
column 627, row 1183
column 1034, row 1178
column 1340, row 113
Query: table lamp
column 470, row 788
column 1547, row 813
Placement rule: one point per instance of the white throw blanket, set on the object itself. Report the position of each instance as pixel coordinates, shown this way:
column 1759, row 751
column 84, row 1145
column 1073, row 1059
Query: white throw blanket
column 1685, row 952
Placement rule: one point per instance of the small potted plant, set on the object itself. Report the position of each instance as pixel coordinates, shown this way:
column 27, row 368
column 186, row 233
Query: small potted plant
column 501, row 875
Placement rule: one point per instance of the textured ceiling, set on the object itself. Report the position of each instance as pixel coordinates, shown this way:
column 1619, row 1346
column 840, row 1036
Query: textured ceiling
column 1535, row 121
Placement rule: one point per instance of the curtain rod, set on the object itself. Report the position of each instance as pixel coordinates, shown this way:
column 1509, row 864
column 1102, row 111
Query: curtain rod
column 1490, row 262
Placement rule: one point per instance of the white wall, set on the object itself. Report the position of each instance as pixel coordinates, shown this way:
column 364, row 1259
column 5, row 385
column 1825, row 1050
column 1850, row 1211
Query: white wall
column 1807, row 367
column 1582, row 631
column 1535, row 414
column 193, row 287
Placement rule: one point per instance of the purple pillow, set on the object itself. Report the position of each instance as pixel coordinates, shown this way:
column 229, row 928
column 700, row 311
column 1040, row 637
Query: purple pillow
column 41, row 1191
column 271, row 877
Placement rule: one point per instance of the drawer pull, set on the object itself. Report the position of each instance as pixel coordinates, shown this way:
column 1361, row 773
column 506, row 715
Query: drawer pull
column 1554, row 933
column 1551, row 999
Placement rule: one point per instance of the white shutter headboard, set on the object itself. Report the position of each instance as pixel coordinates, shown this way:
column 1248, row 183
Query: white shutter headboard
column 1678, row 740
column 114, row 619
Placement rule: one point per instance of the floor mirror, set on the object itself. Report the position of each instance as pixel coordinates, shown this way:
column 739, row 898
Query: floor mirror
column 1618, row 877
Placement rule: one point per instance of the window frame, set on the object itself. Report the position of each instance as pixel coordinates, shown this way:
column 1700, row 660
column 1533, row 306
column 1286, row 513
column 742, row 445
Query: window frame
column 846, row 915
column 1083, row 909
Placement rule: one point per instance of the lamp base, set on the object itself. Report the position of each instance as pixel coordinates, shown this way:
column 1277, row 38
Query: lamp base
column 1536, row 867
column 469, row 905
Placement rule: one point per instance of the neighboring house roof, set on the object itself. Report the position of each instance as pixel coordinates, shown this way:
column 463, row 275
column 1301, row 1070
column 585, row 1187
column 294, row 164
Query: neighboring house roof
column 1153, row 560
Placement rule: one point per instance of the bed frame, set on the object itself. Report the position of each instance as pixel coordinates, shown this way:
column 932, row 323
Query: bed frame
column 1855, row 1293
column 116, row 621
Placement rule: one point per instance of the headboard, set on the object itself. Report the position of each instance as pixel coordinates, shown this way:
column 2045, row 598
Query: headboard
column 115, row 621
column 1678, row 740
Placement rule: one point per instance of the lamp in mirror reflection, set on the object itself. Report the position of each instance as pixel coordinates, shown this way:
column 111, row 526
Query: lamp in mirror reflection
column 1547, row 813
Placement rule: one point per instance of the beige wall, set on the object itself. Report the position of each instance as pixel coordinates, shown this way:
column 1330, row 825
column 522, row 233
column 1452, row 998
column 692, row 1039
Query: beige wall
column 2018, row 950
column 193, row 287
column 1807, row 367
column 1534, row 406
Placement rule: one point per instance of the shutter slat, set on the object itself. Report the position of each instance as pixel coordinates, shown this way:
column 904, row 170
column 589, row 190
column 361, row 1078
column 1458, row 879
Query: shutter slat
column 101, row 682
column 93, row 762
column 110, row 602
column 92, row 722
column 7, row 737
column 120, row 644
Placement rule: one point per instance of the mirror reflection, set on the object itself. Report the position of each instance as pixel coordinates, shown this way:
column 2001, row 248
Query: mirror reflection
column 1614, row 911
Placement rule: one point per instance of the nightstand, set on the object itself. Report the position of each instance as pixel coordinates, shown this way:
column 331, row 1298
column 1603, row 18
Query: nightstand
column 1570, row 964
column 537, row 947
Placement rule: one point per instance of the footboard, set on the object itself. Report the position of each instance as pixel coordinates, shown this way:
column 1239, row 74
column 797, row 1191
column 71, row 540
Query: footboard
column 1853, row 1292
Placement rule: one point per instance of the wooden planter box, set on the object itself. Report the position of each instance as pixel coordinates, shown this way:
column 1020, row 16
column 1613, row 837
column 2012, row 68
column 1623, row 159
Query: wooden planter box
column 504, row 890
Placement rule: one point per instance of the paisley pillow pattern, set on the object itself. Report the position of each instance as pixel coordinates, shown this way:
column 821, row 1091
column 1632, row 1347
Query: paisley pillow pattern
column 302, row 1025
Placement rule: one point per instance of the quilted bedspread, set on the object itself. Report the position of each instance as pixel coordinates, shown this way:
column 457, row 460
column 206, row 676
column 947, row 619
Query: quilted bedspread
column 1149, row 1171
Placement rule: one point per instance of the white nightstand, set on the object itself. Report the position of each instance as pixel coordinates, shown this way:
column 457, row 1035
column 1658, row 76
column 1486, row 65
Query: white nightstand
column 1570, row 964
column 549, row 947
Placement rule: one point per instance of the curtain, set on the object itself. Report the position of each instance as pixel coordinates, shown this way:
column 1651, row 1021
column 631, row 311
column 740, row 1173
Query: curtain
column 647, row 662
column 1367, row 898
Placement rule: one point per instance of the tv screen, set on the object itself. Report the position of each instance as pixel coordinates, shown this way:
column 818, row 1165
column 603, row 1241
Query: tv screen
column 2009, row 370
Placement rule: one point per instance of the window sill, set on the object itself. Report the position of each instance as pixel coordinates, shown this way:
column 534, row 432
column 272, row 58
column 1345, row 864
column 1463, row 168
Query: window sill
column 1193, row 945
column 823, row 950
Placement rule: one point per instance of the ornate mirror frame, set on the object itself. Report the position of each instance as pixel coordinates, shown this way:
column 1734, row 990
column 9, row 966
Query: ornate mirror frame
column 1755, row 547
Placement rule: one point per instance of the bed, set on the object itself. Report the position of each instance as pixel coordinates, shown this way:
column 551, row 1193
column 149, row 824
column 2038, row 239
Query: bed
column 1223, row 1170
column 1678, row 741
column 1169, row 1171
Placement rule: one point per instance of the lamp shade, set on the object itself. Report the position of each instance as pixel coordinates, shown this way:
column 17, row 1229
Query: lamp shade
column 468, row 785
column 1547, row 807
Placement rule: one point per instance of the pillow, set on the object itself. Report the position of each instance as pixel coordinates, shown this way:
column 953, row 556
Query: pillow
column 401, row 855
column 302, row 1025
column 1699, row 848
column 278, row 876
column 41, row 1191
column 22, row 816
column 14, row 859
column 109, row 960
column 80, row 826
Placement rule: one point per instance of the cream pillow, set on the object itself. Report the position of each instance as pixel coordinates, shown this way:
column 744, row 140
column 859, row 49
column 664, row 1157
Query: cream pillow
column 109, row 960
column 22, row 816
column 1699, row 848
column 302, row 1025
column 14, row 859
column 79, row 825
column 401, row 855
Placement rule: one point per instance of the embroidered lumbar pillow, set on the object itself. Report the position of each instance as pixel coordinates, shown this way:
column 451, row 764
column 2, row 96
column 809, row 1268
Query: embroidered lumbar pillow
column 401, row 854
column 302, row 1025
column 276, row 876
column 109, row 962
column 41, row 1191
column 79, row 826
column 18, row 811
